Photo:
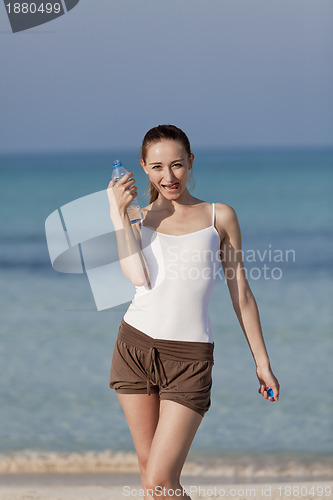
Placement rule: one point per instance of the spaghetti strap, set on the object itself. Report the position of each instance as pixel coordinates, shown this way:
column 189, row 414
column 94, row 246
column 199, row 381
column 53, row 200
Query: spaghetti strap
column 213, row 215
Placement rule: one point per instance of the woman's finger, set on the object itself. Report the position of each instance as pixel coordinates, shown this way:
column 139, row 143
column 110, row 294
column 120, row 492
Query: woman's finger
column 261, row 389
column 125, row 178
column 130, row 185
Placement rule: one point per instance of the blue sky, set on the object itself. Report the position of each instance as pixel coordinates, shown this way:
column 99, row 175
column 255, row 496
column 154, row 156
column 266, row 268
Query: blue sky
column 231, row 73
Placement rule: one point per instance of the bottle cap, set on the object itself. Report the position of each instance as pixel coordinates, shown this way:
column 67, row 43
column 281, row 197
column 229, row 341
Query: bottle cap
column 270, row 393
column 117, row 163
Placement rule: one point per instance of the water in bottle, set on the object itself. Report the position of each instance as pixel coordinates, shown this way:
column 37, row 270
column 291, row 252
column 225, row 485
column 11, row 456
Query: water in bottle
column 133, row 211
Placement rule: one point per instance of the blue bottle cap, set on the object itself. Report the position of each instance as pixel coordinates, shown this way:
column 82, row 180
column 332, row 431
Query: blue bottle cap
column 270, row 393
column 117, row 163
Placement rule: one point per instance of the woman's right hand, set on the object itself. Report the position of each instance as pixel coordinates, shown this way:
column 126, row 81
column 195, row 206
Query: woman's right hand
column 122, row 193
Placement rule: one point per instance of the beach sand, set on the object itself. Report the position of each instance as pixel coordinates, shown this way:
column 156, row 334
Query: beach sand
column 109, row 487
column 107, row 475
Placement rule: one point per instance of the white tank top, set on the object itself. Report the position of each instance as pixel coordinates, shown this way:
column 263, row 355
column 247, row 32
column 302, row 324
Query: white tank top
column 182, row 273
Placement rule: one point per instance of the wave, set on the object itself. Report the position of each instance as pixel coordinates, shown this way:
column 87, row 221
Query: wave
column 244, row 465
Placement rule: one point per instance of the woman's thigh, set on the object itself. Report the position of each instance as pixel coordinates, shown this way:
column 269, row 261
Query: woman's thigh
column 172, row 440
column 142, row 414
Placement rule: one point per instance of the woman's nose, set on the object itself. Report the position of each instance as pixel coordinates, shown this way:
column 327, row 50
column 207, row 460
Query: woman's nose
column 168, row 177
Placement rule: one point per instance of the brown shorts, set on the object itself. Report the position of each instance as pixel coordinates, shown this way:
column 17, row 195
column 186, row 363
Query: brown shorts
column 177, row 370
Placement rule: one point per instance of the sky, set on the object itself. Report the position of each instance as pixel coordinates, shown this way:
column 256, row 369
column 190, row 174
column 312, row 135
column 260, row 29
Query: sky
column 231, row 73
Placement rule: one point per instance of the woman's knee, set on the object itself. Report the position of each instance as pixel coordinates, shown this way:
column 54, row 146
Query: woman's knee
column 143, row 461
column 157, row 479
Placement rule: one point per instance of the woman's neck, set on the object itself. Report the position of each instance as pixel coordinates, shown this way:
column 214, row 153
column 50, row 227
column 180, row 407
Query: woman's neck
column 162, row 203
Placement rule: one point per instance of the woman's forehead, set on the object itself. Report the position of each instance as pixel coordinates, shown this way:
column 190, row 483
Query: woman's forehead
column 165, row 147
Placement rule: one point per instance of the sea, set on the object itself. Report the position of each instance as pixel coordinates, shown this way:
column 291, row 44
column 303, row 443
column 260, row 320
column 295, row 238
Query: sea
column 56, row 348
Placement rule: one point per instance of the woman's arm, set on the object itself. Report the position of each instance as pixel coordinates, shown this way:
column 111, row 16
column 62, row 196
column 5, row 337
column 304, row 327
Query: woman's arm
column 242, row 298
column 131, row 258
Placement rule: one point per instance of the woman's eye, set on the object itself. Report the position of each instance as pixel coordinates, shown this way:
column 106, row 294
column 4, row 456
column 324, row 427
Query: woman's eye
column 174, row 165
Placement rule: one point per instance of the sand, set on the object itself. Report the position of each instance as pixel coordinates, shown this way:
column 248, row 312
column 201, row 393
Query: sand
column 121, row 486
column 36, row 475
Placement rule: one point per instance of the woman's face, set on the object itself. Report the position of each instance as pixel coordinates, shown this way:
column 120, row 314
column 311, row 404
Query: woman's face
column 168, row 166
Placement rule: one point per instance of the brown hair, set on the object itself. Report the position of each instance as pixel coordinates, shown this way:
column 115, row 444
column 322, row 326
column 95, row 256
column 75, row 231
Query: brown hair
column 156, row 134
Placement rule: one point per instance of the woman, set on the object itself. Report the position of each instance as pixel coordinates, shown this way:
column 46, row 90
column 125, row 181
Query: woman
column 163, row 357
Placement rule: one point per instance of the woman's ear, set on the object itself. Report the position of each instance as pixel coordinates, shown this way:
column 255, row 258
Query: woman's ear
column 191, row 158
column 144, row 166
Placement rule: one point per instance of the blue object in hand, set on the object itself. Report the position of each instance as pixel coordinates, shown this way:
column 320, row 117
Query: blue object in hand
column 270, row 393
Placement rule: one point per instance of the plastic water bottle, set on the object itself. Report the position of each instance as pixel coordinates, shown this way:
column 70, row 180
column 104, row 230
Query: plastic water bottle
column 133, row 211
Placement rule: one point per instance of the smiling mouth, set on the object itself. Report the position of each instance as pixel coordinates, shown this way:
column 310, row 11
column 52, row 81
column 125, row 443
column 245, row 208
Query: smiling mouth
column 171, row 187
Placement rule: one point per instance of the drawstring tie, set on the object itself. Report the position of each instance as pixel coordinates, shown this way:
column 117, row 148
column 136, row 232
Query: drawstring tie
column 153, row 368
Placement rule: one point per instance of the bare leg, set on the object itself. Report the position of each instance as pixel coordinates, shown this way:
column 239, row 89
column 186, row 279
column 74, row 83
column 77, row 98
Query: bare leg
column 142, row 414
column 173, row 437
column 162, row 433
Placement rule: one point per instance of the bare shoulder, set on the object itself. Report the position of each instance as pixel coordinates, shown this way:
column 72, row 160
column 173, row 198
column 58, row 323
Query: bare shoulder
column 226, row 219
column 147, row 208
column 225, row 211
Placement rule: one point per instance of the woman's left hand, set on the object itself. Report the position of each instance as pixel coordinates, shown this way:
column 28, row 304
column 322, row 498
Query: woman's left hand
column 268, row 380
